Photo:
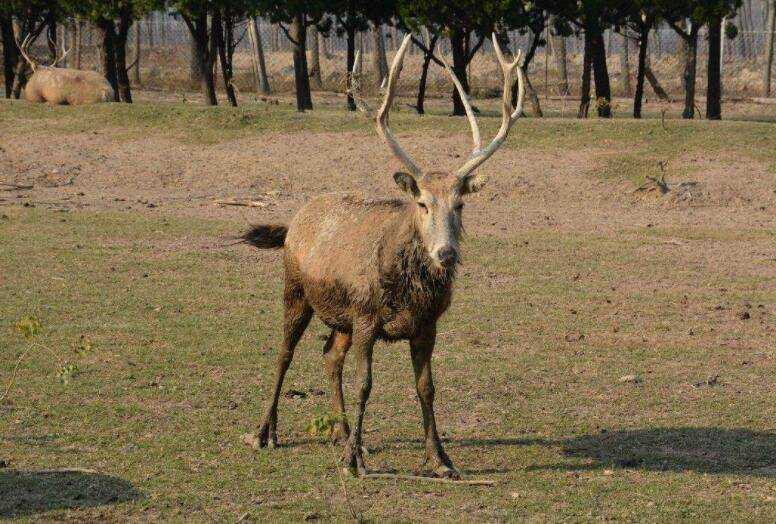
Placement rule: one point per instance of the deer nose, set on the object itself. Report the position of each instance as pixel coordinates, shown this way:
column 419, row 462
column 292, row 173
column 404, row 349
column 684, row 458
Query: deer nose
column 446, row 256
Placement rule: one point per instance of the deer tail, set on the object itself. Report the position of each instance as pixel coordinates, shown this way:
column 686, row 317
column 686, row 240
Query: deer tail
column 265, row 236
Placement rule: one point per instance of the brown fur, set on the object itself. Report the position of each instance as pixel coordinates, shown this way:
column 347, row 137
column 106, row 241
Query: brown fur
column 366, row 268
column 60, row 86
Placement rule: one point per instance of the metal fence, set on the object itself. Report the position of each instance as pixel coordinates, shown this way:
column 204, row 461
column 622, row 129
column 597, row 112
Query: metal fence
column 165, row 60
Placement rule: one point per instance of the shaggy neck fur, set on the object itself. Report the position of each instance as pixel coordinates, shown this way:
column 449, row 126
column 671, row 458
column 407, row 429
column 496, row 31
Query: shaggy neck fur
column 411, row 280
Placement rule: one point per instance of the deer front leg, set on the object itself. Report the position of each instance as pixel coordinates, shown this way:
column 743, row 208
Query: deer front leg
column 363, row 342
column 421, row 348
column 334, row 356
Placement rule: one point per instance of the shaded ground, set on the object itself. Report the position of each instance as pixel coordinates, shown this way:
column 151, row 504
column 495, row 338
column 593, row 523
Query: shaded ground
column 609, row 353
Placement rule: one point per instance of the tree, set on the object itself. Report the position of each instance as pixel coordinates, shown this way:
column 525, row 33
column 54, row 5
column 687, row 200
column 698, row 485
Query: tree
column 113, row 19
column 592, row 17
column 299, row 15
column 639, row 17
column 696, row 13
column 459, row 20
column 32, row 16
column 197, row 15
column 352, row 16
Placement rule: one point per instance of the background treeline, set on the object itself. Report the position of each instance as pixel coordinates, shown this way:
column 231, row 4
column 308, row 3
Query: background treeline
column 217, row 27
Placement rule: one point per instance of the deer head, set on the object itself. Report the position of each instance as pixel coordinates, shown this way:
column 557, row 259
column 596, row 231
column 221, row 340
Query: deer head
column 439, row 195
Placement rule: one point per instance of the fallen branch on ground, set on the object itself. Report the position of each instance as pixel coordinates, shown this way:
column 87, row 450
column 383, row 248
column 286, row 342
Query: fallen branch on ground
column 13, row 187
column 244, row 203
column 396, row 476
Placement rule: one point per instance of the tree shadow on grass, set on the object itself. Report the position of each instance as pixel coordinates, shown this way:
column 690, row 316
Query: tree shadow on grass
column 24, row 493
column 703, row 450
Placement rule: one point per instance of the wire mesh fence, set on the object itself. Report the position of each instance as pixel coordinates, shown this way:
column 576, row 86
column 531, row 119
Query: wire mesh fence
column 162, row 50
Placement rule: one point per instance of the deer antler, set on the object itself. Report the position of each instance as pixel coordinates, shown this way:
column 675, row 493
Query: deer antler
column 23, row 50
column 382, row 113
column 508, row 114
column 64, row 52
column 354, row 87
column 467, row 107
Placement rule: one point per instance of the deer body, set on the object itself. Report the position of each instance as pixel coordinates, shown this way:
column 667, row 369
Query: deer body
column 359, row 257
column 380, row 269
column 60, row 86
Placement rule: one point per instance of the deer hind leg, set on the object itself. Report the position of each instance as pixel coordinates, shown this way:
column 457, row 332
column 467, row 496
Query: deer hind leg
column 421, row 349
column 296, row 318
column 334, row 352
column 363, row 343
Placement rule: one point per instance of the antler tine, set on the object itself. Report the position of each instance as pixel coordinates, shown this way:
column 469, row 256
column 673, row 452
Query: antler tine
column 355, row 85
column 64, row 53
column 382, row 113
column 508, row 114
column 467, row 107
column 23, row 49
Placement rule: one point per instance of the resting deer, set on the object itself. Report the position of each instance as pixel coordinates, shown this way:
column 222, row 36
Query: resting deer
column 58, row 86
column 380, row 270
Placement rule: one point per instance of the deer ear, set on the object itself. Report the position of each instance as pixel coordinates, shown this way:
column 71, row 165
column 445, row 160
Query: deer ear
column 407, row 183
column 472, row 183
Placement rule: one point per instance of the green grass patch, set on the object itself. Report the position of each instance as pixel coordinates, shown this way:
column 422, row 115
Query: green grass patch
column 173, row 347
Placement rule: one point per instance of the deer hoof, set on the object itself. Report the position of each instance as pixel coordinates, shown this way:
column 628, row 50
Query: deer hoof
column 447, row 472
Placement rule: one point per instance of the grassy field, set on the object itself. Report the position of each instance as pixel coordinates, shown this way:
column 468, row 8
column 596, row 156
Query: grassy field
column 605, row 357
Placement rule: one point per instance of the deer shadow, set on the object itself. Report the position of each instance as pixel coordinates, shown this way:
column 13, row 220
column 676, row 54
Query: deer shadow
column 25, row 493
column 699, row 449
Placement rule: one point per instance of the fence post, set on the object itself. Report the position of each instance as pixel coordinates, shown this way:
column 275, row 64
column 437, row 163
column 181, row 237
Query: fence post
column 769, row 51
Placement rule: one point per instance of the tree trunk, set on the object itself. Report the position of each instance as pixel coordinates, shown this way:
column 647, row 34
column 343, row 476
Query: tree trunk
column 639, row 96
column 223, row 43
column 10, row 53
column 315, row 58
column 430, row 44
column 120, row 47
column 301, row 77
column 108, row 33
column 769, row 51
column 195, row 64
column 254, row 35
column 150, row 26
column 584, row 92
column 558, row 44
column 603, row 93
column 379, row 59
column 198, row 28
column 625, row 83
column 136, row 68
column 688, row 77
column 459, row 49
column 350, row 60
column 713, row 78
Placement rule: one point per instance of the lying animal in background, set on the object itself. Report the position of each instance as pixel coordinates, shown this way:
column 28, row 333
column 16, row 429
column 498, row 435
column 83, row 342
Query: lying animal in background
column 62, row 86
column 380, row 270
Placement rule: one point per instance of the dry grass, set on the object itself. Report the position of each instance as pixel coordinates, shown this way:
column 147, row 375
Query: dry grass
column 609, row 355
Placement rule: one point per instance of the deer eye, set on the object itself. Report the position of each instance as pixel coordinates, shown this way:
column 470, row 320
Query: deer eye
column 422, row 206
column 459, row 207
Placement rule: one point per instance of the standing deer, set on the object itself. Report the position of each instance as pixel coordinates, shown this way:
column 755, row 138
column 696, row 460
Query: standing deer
column 380, row 270
column 61, row 86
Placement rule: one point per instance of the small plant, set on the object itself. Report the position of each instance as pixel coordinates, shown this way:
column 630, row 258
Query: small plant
column 324, row 425
column 67, row 372
column 28, row 327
